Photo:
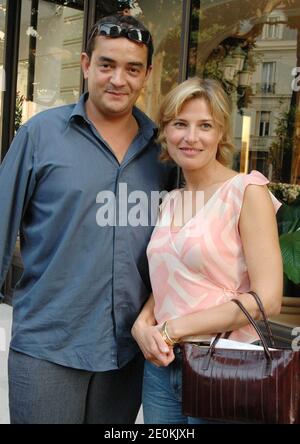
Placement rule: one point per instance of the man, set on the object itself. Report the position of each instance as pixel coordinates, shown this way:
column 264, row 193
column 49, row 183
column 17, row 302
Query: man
column 72, row 357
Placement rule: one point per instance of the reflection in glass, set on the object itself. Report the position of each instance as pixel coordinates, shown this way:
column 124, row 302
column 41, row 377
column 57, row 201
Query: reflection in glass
column 164, row 22
column 255, row 51
column 49, row 57
column 111, row 7
column 2, row 72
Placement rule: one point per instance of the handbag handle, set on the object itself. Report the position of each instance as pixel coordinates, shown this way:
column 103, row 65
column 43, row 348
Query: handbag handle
column 258, row 331
column 262, row 310
column 265, row 320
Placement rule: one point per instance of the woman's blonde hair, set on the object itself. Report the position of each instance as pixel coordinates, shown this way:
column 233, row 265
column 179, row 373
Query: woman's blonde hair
column 219, row 104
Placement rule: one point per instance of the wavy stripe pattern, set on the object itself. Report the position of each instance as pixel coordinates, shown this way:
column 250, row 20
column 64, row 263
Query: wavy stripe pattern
column 202, row 264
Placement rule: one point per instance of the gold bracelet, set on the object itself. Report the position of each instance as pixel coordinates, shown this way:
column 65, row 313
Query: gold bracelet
column 166, row 337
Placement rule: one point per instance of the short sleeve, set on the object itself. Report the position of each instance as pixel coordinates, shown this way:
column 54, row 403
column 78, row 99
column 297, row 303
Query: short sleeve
column 256, row 178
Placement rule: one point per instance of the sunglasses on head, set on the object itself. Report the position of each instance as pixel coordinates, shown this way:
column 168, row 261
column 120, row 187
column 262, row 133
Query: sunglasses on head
column 113, row 31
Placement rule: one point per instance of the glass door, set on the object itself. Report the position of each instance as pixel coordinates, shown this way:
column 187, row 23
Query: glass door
column 2, row 72
column 254, row 51
column 49, row 72
column 164, row 19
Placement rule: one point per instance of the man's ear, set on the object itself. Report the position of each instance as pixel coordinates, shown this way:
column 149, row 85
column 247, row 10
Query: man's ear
column 85, row 64
column 149, row 70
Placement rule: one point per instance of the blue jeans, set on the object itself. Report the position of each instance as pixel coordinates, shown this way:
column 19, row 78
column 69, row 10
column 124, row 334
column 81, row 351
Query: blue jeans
column 41, row 392
column 162, row 394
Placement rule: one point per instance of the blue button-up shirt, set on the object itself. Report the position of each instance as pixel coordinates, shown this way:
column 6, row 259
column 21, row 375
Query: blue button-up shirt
column 83, row 284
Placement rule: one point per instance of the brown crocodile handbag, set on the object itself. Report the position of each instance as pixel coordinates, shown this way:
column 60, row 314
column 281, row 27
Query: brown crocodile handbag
column 254, row 386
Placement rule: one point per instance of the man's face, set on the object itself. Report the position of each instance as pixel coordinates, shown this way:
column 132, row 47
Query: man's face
column 116, row 73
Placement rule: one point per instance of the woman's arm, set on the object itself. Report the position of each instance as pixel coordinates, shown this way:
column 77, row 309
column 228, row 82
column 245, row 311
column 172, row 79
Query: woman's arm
column 148, row 336
column 258, row 231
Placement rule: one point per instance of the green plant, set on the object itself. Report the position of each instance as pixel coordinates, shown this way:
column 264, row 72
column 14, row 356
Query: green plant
column 288, row 218
column 19, row 110
column 285, row 192
column 284, row 142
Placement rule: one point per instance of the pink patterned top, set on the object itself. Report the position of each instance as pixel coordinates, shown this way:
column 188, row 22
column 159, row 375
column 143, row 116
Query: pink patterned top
column 202, row 264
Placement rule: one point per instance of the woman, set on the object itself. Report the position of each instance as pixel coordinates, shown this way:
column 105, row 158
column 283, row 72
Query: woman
column 220, row 251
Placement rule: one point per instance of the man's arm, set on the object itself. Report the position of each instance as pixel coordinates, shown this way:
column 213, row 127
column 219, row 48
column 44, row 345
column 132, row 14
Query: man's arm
column 17, row 181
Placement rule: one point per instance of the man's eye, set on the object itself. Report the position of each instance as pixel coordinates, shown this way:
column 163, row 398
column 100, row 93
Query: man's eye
column 134, row 71
column 105, row 66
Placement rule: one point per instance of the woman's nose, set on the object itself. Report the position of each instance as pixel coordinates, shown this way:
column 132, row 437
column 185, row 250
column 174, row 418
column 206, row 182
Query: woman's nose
column 192, row 135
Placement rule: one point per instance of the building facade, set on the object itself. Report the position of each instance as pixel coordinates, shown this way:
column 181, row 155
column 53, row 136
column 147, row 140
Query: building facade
column 252, row 47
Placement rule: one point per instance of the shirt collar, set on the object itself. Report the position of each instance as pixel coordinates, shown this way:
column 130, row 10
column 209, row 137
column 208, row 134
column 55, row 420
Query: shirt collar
column 147, row 127
column 79, row 109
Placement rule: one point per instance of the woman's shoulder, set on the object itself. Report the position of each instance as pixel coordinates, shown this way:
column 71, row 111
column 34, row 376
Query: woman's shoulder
column 239, row 188
column 258, row 194
column 252, row 178
column 241, row 181
column 255, row 178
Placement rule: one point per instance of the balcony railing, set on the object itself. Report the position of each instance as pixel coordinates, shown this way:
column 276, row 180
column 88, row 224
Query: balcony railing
column 261, row 143
column 266, row 88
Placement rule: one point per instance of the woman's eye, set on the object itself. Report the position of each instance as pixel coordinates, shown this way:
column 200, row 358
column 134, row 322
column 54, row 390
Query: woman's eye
column 206, row 126
column 179, row 124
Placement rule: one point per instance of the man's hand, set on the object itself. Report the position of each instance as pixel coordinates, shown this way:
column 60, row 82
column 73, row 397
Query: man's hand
column 152, row 345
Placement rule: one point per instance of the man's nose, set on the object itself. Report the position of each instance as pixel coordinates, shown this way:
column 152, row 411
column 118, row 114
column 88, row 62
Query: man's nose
column 118, row 77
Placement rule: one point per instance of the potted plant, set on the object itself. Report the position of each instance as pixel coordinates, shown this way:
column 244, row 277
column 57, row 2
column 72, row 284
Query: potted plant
column 288, row 219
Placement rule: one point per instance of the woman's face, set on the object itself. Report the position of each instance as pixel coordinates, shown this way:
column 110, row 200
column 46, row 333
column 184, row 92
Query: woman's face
column 193, row 136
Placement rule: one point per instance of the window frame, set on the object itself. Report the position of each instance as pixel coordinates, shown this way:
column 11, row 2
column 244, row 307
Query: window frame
column 264, row 125
column 11, row 50
column 11, row 56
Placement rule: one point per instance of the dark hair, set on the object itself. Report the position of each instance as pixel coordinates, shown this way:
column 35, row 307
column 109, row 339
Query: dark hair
column 126, row 21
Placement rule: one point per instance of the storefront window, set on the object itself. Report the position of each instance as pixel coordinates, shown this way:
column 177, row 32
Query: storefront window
column 254, row 51
column 2, row 72
column 164, row 19
column 51, row 37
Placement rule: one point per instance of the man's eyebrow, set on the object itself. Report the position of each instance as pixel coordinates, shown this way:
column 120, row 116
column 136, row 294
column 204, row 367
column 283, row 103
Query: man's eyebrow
column 105, row 59
column 109, row 60
column 137, row 64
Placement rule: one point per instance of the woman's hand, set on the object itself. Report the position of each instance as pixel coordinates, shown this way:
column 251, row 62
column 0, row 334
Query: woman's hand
column 152, row 344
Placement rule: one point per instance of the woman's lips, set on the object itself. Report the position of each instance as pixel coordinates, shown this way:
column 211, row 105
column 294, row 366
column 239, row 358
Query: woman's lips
column 190, row 150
